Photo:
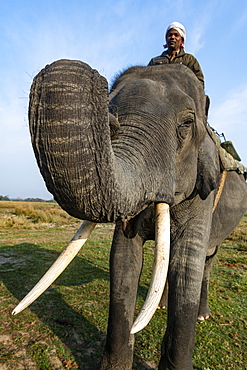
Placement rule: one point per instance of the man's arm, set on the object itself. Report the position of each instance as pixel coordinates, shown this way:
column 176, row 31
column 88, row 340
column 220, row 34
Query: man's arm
column 196, row 68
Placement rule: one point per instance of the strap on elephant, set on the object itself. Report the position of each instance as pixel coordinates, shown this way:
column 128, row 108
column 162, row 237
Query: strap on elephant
column 220, row 189
column 229, row 158
column 230, row 161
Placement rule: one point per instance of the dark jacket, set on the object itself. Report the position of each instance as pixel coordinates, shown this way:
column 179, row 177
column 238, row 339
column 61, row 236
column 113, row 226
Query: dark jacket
column 182, row 58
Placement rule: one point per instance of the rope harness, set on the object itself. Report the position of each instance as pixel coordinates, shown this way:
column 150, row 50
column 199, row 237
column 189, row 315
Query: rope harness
column 220, row 189
column 229, row 160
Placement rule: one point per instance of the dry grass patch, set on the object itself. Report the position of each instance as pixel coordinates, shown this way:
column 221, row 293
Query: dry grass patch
column 36, row 215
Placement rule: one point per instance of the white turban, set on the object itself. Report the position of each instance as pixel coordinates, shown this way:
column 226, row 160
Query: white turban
column 179, row 27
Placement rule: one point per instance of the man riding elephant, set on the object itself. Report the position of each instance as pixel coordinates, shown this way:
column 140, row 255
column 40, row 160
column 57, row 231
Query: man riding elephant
column 175, row 38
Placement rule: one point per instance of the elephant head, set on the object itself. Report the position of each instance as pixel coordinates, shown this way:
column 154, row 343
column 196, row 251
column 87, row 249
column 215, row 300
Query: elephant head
column 156, row 156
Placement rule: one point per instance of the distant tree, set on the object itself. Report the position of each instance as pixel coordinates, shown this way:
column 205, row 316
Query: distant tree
column 33, row 200
column 38, row 200
column 4, row 197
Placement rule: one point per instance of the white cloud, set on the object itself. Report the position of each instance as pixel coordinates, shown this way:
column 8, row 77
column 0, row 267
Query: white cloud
column 230, row 118
column 232, row 112
column 197, row 42
column 242, row 20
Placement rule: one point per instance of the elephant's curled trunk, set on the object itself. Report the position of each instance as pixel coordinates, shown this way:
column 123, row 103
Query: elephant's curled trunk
column 68, row 109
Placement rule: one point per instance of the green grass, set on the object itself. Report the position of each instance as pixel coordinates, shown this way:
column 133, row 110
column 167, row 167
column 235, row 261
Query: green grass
column 66, row 327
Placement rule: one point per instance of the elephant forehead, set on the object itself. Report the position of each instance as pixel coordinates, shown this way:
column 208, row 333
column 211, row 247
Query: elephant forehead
column 144, row 92
column 172, row 81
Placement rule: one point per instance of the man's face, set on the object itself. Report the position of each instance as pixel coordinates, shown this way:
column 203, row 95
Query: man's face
column 173, row 39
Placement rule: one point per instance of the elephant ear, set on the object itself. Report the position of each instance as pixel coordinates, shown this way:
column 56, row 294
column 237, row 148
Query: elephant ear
column 208, row 168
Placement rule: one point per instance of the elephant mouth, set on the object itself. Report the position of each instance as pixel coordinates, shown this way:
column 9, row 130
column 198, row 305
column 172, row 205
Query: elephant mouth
column 161, row 261
column 179, row 197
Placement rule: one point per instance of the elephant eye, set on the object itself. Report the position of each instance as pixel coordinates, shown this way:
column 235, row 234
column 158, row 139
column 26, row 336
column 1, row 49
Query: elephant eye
column 187, row 123
column 184, row 129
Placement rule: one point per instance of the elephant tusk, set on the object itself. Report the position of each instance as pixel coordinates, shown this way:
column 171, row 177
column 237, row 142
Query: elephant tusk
column 161, row 260
column 58, row 266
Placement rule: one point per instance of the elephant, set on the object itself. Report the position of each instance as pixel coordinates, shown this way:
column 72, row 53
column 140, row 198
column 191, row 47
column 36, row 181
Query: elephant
column 139, row 156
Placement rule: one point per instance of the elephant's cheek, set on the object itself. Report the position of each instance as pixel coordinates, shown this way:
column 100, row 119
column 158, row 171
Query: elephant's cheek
column 185, row 179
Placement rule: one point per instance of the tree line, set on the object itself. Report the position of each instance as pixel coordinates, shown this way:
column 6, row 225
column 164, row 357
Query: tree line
column 6, row 197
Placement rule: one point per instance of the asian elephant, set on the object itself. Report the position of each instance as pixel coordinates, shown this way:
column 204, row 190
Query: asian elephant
column 129, row 157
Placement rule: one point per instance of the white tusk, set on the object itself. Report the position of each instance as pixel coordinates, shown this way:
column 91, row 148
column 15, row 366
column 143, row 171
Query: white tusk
column 161, row 260
column 58, row 266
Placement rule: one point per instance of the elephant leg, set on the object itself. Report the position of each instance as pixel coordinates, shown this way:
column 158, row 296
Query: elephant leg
column 204, row 310
column 178, row 343
column 185, row 275
column 125, row 268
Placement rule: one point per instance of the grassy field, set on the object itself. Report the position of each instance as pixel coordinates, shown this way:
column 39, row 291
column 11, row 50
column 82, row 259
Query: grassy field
column 66, row 327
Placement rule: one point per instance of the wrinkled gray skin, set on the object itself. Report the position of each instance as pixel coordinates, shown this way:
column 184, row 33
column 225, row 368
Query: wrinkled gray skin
column 162, row 153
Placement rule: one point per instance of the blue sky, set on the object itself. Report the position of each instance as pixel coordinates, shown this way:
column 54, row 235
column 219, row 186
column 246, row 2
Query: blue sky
column 110, row 36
